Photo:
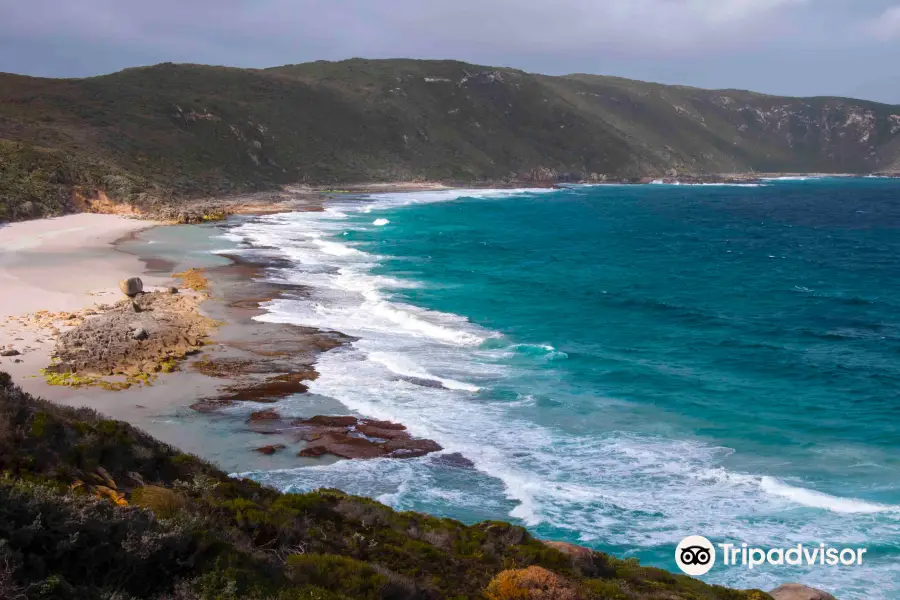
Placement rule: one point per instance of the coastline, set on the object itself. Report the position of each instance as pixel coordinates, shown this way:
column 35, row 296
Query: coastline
column 205, row 405
column 247, row 353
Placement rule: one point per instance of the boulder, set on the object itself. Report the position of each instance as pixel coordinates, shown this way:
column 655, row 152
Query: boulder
column 9, row 352
column 411, row 448
column 269, row 450
column 173, row 290
column 796, row 591
column 453, row 460
column 131, row 287
column 139, row 333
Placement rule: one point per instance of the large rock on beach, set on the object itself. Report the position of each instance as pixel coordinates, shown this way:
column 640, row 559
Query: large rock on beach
column 132, row 287
column 796, row 591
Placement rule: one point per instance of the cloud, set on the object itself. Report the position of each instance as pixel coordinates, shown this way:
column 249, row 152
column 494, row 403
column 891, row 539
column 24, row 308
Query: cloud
column 777, row 46
column 887, row 26
column 402, row 27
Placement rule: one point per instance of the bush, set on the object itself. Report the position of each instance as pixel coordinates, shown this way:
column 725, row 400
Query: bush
column 533, row 583
column 347, row 576
column 164, row 502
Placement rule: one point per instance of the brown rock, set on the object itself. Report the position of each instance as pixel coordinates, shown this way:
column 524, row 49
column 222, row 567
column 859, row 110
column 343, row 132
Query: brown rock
column 173, row 290
column 9, row 353
column 411, row 448
column 373, row 431
column 455, row 460
column 343, row 445
column 264, row 415
column 339, row 435
column 796, row 591
column 384, row 424
column 131, row 287
column 269, row 450
column 326, row 421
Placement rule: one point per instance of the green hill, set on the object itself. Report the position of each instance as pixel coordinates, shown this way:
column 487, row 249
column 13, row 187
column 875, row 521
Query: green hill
column 170, row 132
column 94, row 509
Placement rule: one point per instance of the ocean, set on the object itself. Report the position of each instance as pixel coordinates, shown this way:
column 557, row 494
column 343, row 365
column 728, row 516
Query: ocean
column 625, row 365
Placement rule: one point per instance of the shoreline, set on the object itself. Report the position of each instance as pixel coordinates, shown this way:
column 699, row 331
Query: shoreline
column 245, row 367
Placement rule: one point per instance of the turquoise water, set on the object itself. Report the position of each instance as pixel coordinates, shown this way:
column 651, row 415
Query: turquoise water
column 624, row 365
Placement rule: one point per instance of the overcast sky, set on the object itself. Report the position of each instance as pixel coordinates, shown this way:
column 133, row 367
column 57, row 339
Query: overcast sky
column 795, row 47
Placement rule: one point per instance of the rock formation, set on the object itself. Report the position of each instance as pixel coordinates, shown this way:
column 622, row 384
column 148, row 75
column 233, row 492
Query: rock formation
column 132, row 287
column 796, row 591
column 349, row 437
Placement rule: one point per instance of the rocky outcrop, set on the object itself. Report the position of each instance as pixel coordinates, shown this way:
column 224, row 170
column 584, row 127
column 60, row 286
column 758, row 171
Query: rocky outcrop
column 454, row 460
column 121, row 342
column 264, row 415
column 269, row 450
column 349, row 437
column 796, row 591
column 131, row 287
column 582, row 558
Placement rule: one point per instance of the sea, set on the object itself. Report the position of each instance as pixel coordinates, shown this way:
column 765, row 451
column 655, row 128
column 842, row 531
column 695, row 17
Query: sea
column 624, row 365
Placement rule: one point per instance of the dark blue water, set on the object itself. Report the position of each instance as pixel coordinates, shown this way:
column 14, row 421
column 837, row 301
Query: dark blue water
column 627, row 365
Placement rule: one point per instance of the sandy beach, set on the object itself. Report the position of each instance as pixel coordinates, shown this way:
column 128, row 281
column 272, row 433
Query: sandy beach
column 62, row 264
column 203, row 405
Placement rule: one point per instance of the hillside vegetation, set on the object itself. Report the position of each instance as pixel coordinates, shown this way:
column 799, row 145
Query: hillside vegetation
column 92, row 509
column 158, row 134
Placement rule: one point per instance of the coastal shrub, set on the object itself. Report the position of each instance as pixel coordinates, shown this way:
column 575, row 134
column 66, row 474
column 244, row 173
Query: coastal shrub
column 347, row 576
column 533, row 583
column 164, row 502
column 605, row 589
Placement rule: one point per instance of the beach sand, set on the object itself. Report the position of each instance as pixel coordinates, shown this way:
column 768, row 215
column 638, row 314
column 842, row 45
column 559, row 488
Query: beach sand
column 62, row 264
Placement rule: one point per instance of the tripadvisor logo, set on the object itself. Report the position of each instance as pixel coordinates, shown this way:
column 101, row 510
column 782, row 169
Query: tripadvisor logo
column 696, row 555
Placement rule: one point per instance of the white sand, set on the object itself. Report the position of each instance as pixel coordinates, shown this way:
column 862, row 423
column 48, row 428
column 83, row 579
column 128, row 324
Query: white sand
column 62, row 264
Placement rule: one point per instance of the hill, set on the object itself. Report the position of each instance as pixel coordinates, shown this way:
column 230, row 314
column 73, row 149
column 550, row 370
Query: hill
column 94, row 509
column 153, row 135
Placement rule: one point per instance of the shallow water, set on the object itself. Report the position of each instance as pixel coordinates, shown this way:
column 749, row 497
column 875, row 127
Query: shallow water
column 626, row 365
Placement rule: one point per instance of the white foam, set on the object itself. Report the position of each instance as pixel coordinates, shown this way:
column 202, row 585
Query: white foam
column 380, row 222
column 814, row 499
column 402, row 365
column 336, row 249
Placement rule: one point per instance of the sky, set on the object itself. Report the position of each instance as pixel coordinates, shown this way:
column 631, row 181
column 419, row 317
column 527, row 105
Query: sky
column 786, row 47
